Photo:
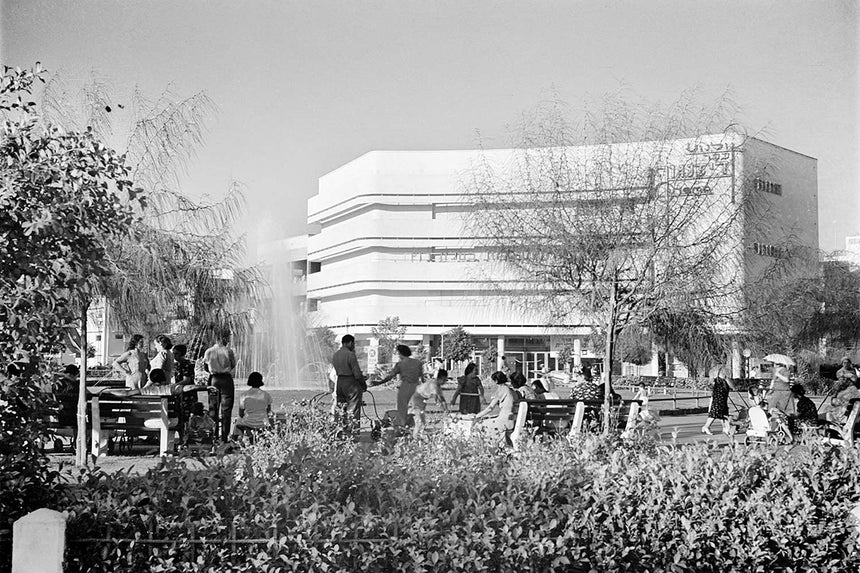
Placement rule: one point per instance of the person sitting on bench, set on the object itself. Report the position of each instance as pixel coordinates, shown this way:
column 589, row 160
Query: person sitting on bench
column 255, row 406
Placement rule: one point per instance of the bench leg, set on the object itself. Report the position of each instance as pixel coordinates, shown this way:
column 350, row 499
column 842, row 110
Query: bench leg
column 522, row 413
column 632, row 416
column 578, row 417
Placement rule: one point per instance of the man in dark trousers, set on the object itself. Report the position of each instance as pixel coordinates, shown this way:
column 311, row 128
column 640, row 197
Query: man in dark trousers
column 220, row 361
column 350, row 380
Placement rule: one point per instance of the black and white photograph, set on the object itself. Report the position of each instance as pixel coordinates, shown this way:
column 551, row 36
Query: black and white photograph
column 431, row 286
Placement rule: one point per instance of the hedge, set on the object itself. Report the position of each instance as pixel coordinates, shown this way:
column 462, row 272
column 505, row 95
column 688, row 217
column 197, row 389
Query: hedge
column 458, row 505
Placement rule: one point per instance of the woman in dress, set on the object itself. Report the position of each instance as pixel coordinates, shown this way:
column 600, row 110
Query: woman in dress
column 134, row 363
column 411, row 374
column 469, row 390
column 506, row 399
column 719, row 409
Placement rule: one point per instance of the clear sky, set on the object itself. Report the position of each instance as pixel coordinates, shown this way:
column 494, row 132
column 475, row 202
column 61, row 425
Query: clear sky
column 305, row 86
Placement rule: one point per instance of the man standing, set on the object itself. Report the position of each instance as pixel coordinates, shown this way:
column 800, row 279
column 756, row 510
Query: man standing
column 350, row 381
column 219, row 361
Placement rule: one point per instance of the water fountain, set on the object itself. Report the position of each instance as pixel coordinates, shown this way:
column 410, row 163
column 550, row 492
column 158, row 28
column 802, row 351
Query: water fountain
column 284, row 345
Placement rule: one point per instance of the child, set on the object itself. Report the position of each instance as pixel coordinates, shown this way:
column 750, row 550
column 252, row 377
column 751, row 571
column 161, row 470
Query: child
column 742, row 420
column 424, row 392
column 200, row 428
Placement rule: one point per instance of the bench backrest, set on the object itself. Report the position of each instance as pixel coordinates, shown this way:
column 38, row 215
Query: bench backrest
column 67, row 415
column 848, row 429
column 135, row 409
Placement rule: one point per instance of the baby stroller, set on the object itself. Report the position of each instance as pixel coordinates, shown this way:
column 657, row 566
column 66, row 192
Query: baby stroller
column 200, row 431
column 761, row 429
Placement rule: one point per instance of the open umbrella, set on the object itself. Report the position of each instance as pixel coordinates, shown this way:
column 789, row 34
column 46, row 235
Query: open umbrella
column 779, row 359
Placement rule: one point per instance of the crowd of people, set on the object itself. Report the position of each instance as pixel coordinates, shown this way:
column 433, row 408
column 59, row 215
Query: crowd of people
column 168, row 371
column 785, row 402
column 420, row 385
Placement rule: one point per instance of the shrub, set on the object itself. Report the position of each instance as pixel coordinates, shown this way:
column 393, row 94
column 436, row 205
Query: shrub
column 26, row 481
column 314, row 499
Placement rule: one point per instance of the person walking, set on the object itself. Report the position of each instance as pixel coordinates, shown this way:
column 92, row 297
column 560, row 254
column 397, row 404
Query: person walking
column 134, row 363
column 220, row 361
column 411, row 374
column 470, row 390
column 350, row 383
column 719, row 409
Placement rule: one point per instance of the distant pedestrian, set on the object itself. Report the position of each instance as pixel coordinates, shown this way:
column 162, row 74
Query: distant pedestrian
column 350, row 381
column 220, row 361
column 134, row 363
column 469, row 390
column 411, row 374
column 719, row 409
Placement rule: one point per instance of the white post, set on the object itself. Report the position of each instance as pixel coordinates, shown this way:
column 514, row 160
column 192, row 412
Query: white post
column 736, row 359
column 632, row 416
column 577, row 351
column 164, row 436
column 500, row 350
column 38, row 542
column 578, row 416
column 97, row 428
column 522, row 414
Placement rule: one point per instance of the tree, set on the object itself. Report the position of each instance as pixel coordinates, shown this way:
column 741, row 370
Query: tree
column 643, row 219
column 388, row 332
column 182, row 260
column 690, row 336
column 634, row 345
column 66, row 196
column 794, row 314
column 457, row 345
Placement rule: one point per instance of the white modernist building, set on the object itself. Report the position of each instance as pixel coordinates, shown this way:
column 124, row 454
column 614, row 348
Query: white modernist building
column 389, row 240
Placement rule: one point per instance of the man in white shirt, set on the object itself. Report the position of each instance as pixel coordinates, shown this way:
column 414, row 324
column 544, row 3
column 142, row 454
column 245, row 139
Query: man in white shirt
column 220, row 361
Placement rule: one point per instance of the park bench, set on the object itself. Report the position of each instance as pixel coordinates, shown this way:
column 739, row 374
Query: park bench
column 848, row 430
column 133, row 416
column 552, row 417
column 64, row 421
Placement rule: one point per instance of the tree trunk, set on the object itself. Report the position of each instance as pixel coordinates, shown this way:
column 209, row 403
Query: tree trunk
column 607, row 359
column 81, row 445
